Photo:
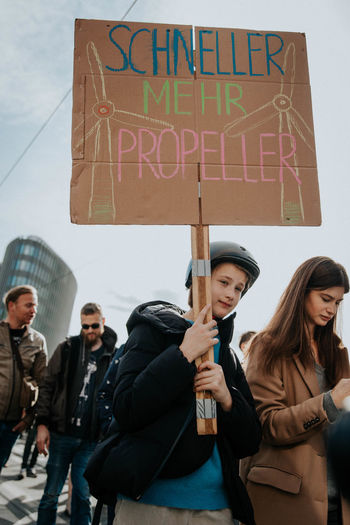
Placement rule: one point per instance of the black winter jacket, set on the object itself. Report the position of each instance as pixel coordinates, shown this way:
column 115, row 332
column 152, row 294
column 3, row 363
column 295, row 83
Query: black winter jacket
column 154, row 404
column 64, row 379
column 106, row 391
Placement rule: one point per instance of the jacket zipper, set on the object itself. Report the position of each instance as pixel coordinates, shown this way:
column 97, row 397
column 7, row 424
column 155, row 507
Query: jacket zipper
column 191, row 413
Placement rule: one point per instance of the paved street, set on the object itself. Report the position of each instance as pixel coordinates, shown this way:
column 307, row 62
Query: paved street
column 19, row 500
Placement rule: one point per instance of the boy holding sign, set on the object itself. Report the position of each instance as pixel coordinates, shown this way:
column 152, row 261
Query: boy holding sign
column 175, row 475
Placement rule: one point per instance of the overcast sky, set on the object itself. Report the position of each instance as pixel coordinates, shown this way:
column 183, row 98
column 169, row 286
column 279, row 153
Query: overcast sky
column 120, row 266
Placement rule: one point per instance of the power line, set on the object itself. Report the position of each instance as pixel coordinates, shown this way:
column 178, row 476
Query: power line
column 129, row 9
column 50, row 117
column 35, row 137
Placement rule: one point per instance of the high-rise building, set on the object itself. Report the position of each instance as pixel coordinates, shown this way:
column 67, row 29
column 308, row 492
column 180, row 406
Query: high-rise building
column 29, row 260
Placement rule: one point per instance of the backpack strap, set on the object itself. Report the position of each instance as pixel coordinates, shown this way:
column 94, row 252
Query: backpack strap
column 64, row 359
column 17, row 357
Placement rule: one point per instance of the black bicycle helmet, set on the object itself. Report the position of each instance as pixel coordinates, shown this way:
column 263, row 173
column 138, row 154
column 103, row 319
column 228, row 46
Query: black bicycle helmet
column 222, row 251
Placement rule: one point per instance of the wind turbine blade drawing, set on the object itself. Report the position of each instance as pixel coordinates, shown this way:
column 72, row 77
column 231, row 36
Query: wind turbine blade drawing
column 97, row 129
column 290, row 120
column 280, row 103
column 251, row 121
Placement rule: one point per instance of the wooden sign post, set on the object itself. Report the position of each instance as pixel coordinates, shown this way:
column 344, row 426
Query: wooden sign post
column 201, row 296
column 150, row 110
column 201, row 287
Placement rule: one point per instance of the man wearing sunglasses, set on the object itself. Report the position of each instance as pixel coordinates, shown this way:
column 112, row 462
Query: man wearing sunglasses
column 68, row 427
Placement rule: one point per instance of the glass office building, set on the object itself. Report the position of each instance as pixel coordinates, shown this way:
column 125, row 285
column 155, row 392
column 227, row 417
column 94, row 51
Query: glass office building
column 29, row 260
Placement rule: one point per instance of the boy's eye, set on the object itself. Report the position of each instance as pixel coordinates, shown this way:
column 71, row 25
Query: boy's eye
column 223, row 282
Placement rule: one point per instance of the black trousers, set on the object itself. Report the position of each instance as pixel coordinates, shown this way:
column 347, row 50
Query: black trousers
column 28, row 449
column 334, row 517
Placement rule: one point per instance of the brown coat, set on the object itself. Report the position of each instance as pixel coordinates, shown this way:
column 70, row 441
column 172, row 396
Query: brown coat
column 287, row 479
column 33, row 352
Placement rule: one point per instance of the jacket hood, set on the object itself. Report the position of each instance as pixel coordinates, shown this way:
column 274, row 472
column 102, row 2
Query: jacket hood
column 109, row 338
column 167, row 318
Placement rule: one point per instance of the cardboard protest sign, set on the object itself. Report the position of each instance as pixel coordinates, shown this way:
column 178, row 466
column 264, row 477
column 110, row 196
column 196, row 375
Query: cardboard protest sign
column 158, row 121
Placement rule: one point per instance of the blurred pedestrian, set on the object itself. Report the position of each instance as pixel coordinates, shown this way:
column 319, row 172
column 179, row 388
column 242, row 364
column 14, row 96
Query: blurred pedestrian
column 23, row 358
column 298, row 371
column 106, row 391
column 68, row 509
column 104, row 407
column 28, row 465
column 244, row 344
column 67, row 421
column 339, row 450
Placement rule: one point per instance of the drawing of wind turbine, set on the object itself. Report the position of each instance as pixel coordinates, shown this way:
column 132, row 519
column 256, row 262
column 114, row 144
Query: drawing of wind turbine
column 97, row 128
column 290, row 120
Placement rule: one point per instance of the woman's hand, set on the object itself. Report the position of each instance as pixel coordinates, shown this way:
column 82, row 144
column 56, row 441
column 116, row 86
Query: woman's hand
column 210, row 376
column 199, row 337
column 340, row 392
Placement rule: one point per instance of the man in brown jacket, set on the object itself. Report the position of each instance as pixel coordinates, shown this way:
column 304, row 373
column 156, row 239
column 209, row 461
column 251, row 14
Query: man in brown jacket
column 16, row 333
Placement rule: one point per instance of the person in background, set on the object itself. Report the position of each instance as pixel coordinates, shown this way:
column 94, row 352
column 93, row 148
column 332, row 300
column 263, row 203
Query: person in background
column 28, row 466
column 18, row 340
column 166, row 472
column 298, row 372
column 104, row 406
column 244, row 343
column 339, row 451
column 68, row 509
column 67, row 422
column 106, row 391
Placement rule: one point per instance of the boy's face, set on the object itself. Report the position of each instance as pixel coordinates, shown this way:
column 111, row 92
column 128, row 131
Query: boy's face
column 227, row 284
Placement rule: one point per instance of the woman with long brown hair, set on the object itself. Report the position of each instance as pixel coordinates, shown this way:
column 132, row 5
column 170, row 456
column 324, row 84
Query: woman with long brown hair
column 298, row 372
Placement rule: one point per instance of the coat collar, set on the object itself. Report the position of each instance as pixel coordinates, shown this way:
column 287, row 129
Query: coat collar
column 29, row 331
column 308, row 375
column 225, row 327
